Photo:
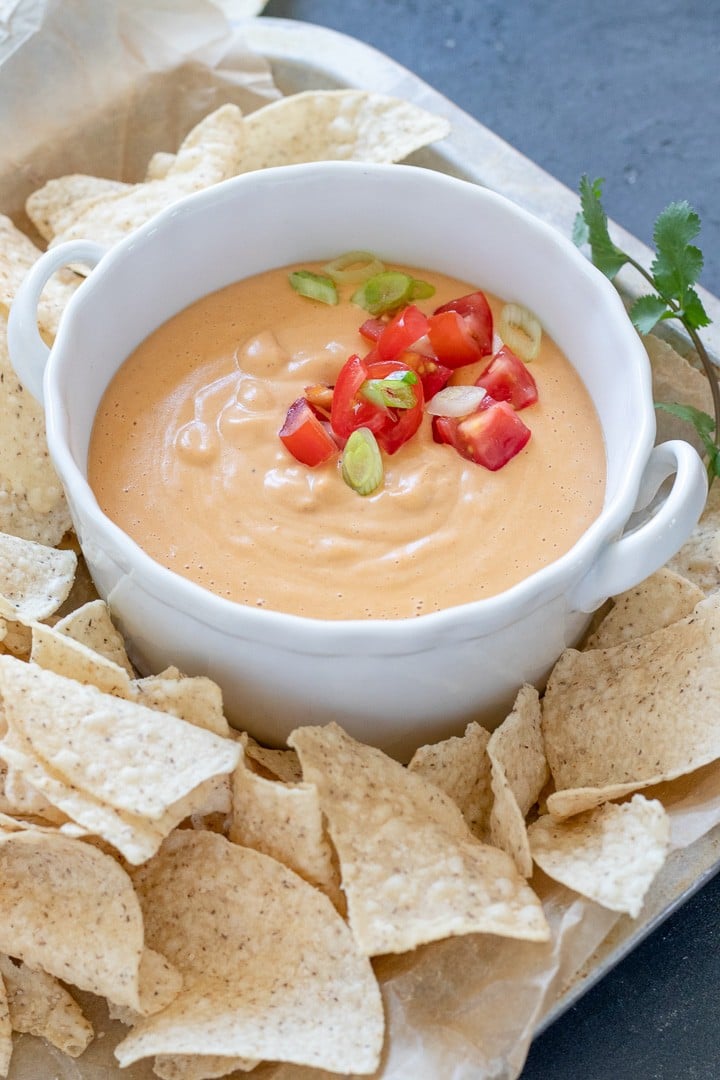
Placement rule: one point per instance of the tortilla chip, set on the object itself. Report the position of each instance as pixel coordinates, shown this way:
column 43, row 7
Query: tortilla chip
column 660, row 600
column 55, row 206
column 62, row 654
column 620, row 719
column 270, row 970
column 197, row 1067
column 342, row 125
column 411, row 869
column 40, row 1005
column 676, row 380
column 284, row 821
column 91, row 935
column 17, row 639
column 519, row 773
column 271, row 763
column 461, row 768
column 207, row 156
column 611, row 854
column 91, row 625
column 34, row 579
column 124, row 772
column 196, row 699
column 159, row 165
column 32, row 502
column 699, row 558
column 6, row 1043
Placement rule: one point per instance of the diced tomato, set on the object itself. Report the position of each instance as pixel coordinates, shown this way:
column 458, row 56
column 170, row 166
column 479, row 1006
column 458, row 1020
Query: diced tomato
column 401, row 332
column 433, row 375
column 371, row 329
column 306, row 436
column 476, row 312
column 452, row 340
column 507, row 378
column 491, row 436
column 391, row 427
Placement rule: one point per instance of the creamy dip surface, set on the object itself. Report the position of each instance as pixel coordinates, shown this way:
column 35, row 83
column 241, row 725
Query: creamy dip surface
column 185, row 458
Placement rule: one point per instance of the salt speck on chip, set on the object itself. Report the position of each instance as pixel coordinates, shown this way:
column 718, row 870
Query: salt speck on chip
column 411, row 869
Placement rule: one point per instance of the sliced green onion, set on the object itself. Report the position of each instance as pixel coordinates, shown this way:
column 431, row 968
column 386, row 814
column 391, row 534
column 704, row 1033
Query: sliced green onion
column 383, row 292
column 353, row 267
column 520, row 330
column 394, row 392
column 314, row 286
column 362, row 467
column 421, row 290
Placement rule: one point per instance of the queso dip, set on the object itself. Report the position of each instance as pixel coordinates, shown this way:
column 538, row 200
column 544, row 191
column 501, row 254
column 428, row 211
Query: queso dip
column 185, row 458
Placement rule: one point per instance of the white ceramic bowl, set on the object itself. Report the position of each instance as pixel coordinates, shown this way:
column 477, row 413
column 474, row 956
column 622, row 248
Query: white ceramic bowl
column 395, row 683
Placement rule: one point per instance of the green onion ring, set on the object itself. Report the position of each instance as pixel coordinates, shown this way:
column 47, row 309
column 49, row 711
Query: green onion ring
column 353, row 267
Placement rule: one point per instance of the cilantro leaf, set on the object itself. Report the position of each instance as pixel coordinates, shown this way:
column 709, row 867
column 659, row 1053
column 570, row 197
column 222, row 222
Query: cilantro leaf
column 592, row 228
column 678, row 263
column 647, row 311
column 693, row 311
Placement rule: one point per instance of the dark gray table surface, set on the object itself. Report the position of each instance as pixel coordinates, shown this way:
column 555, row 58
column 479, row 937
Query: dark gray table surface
column 628, row 90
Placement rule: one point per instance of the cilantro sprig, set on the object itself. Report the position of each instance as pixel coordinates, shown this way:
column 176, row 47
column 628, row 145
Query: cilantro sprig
column 672, row 276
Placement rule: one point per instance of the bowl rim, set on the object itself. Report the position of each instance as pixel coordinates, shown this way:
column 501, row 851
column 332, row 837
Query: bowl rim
column 472, row 619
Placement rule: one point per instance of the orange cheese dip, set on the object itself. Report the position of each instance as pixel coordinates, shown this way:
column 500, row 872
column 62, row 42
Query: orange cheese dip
column 185, row 458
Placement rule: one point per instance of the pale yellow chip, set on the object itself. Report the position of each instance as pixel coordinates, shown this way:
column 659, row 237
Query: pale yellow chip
column 124, row 772
column 17, row 639
column 620, row 719
column 54, row 207
column 611, row 854
column 196, row 699
column 41, row 1006
column 676, row 380
column 699, row 558
column 6, row 1043
column 91, row 625
column 284, row 821
column 660, row 600
column 91, row 934
column 460, row 767
column 199, row 1067
column 342, row 125
column 273, row 763
column 32, row 502
column 66, row 656
column 34, row 579
column 411, row 870
column 207, row 156
column 519, row 773
column 159, row 165
column 270, row 970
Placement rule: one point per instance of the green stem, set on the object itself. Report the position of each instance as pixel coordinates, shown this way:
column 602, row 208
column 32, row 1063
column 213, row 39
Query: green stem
column 708, row 366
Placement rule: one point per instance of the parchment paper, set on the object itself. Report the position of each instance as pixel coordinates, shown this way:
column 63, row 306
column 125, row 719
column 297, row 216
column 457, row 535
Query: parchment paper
column 97, row 87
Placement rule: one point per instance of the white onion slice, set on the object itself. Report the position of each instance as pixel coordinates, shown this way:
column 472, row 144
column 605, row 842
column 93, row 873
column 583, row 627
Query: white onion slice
column 423, row 347
column 455, row 401
column 520, row 330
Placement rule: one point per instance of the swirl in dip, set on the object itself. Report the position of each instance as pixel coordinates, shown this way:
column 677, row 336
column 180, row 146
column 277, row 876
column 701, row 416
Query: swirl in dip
column 185, row 458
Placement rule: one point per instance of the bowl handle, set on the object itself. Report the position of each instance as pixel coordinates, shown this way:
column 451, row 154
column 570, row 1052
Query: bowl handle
column 657, row 529
column 28, row 352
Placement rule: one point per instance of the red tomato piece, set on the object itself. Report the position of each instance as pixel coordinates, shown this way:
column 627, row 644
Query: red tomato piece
column 433, row 375
column 491, row 436
column 401, row 332
column 452, row 340
column 348, row 411
column 507, row 378
column 371, row 329
column 400, row 424
column 476, row 312
column 305, row 435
